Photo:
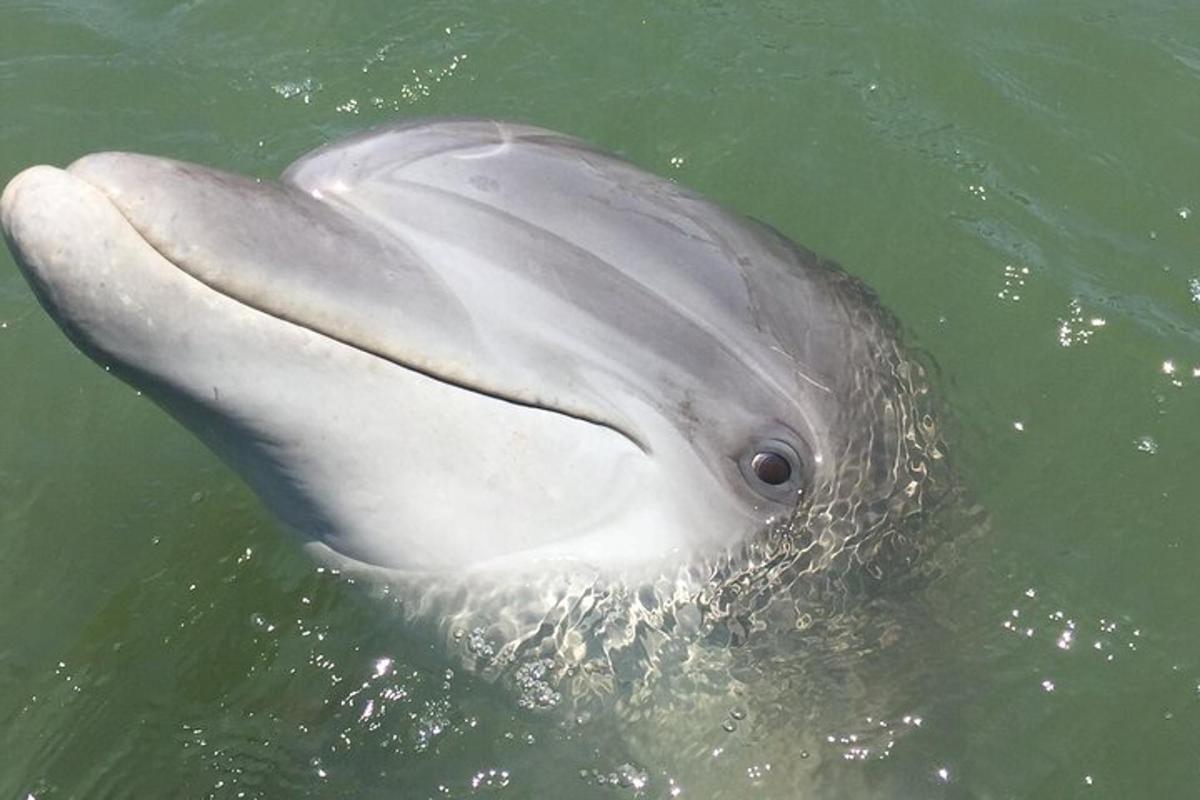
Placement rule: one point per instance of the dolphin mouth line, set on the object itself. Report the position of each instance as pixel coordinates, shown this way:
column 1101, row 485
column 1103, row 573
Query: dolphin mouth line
column 512, row 399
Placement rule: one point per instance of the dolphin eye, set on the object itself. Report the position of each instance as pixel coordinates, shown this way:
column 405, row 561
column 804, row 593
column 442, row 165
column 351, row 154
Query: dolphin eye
column 771, row 467
column 774, row 469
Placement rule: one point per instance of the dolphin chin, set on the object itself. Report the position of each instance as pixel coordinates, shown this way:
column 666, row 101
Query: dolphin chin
column 473, row 346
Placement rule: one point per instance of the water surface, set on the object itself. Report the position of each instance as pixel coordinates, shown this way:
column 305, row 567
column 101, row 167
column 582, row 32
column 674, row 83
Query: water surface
column 1018, row 181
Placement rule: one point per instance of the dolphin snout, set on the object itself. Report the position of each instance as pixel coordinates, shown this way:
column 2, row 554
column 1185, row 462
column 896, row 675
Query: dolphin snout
column 26, row 190
column 36, row 215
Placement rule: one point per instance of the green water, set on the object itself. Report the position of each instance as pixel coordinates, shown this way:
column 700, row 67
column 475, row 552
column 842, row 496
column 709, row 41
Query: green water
column 1020, row 182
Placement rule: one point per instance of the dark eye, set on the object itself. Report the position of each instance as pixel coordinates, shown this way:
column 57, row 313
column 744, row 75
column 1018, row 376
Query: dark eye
column 771, row 468
column 774, row 469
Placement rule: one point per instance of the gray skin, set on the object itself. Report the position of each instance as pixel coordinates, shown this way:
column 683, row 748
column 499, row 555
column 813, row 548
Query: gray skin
column 475, row 347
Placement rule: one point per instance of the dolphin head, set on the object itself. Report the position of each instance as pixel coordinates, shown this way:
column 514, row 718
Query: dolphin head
column 468, row 345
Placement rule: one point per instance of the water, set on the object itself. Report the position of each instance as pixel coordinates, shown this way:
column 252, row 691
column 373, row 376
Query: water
column 1018, row 182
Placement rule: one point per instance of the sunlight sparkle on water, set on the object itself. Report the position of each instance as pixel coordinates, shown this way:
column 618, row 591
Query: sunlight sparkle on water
column 490, row 778
column 1075, row 328
column 1014, row 282
column 303, row 89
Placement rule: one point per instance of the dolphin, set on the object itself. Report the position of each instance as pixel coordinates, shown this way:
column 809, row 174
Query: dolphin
column 453, row 347
column 592, row 427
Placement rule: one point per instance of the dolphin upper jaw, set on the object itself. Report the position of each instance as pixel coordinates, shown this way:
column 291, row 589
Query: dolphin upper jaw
column 326, row 432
